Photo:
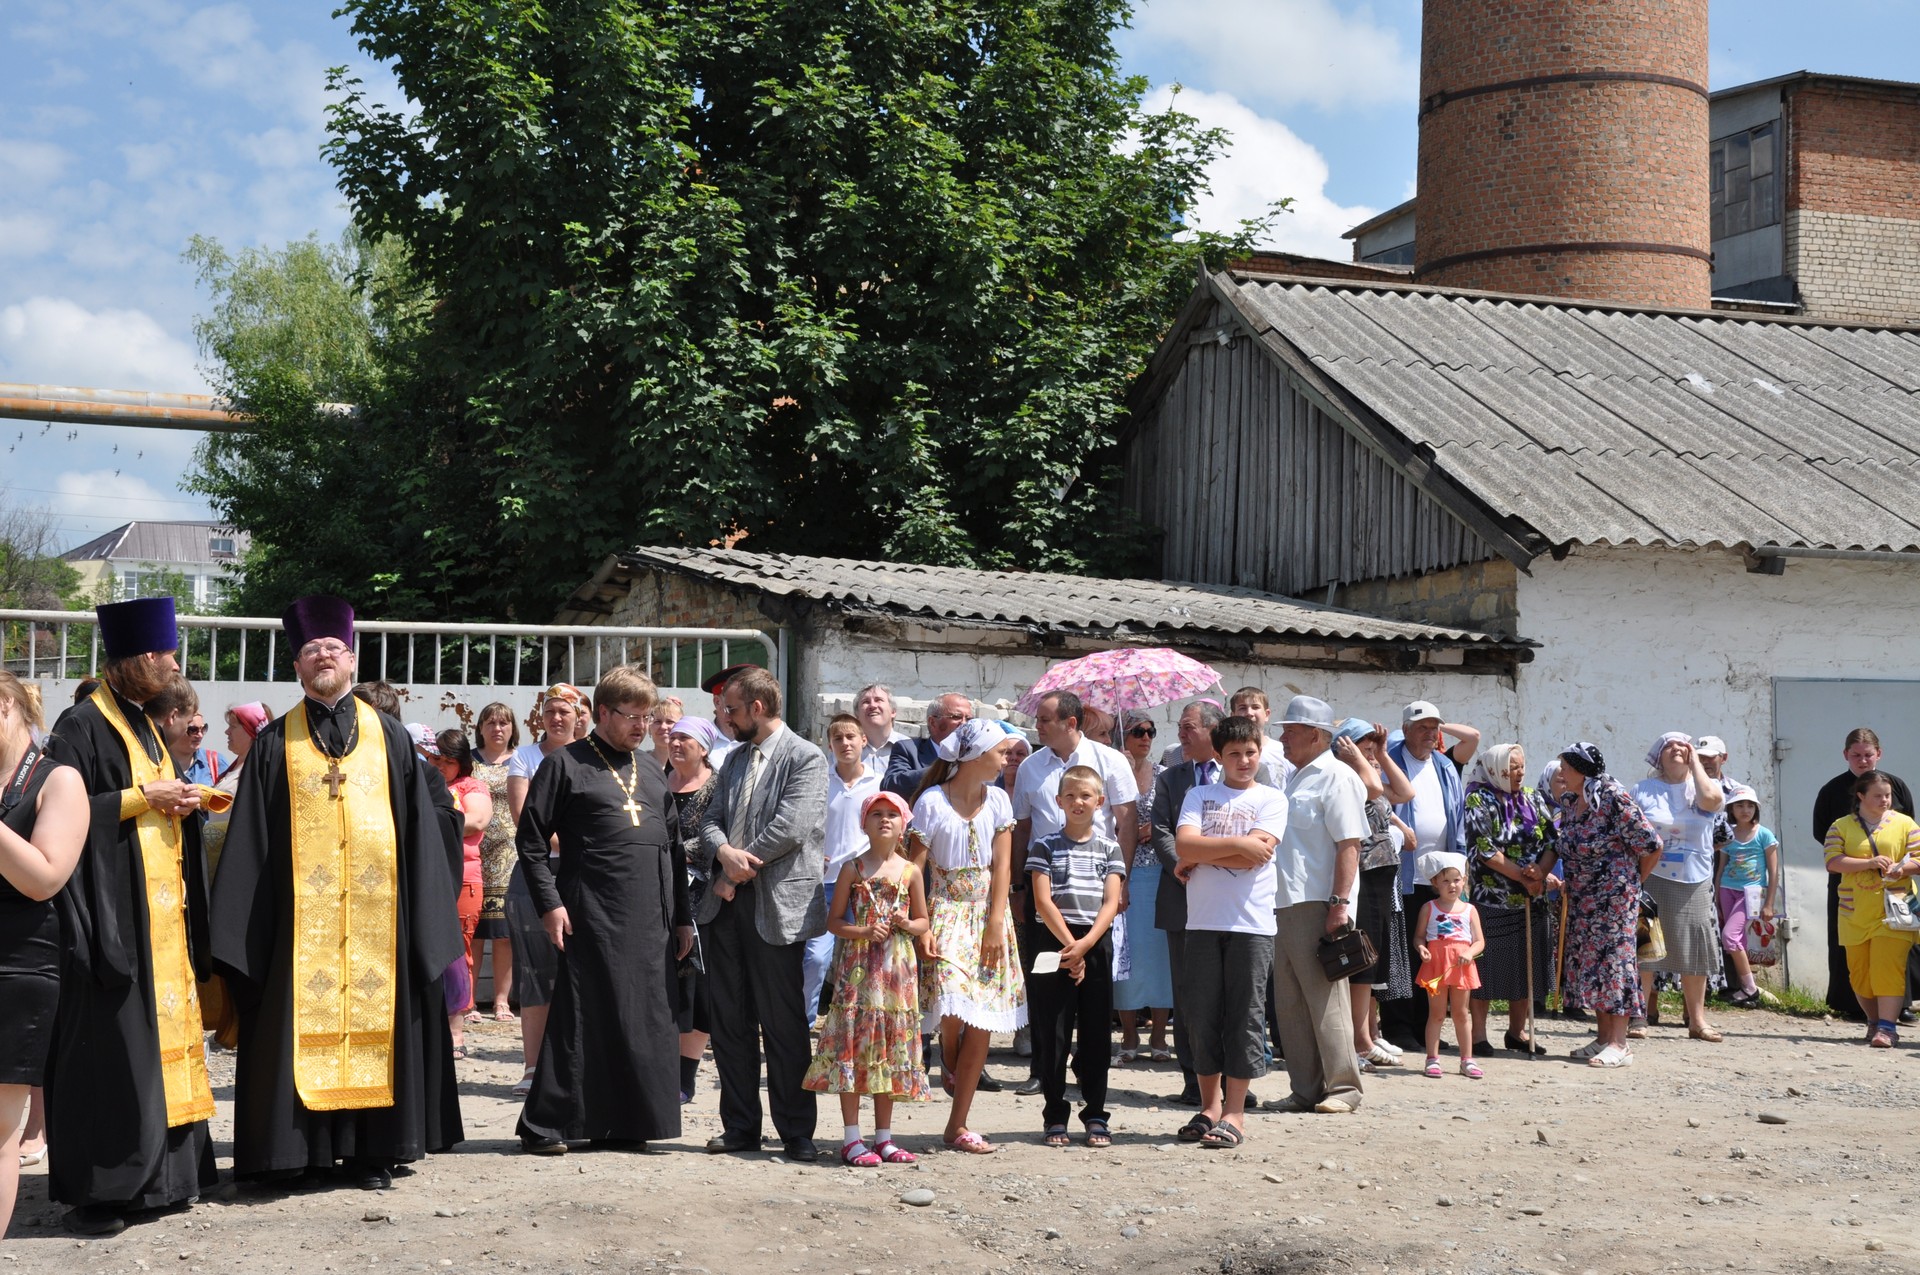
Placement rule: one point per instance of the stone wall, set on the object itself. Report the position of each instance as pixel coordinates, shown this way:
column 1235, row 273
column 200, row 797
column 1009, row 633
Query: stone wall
column 669, row 599
column 1477, row 595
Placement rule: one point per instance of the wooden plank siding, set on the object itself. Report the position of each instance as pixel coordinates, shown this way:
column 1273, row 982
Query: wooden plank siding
column 1254, row 486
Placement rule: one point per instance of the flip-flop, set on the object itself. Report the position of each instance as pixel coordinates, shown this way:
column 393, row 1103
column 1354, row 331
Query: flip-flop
column 1223, row 1136
column 969, row 1142
column 1195, row 1129
column 1098, row 1135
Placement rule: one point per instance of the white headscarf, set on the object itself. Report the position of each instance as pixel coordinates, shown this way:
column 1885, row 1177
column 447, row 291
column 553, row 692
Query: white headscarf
column 969, row 740
column 1490, row 766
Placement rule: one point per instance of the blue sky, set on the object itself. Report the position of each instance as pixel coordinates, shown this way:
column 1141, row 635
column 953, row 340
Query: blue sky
column 127, row 126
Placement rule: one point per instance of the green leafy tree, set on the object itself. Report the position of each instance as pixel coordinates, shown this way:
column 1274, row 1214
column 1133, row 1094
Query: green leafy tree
column 33, row 577
column 867, row 280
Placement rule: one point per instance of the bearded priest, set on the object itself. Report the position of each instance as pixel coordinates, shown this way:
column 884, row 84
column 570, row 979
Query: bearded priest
column 334, row 919
column 127, row 1094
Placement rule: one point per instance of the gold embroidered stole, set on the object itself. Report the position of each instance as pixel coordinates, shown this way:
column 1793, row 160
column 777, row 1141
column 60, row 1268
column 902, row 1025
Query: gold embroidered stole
column 176, row 1001
column 345, row 905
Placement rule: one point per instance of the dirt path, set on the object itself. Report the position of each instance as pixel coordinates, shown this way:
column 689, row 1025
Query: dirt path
column 1542, row 1166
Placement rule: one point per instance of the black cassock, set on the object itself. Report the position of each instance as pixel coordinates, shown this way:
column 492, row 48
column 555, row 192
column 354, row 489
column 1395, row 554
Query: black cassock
column 106, row 1103
column 610, row 1063
column 252, row 946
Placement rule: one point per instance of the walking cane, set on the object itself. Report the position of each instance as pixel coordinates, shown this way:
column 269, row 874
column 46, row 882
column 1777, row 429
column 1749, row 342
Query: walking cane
column 1528, row 916
column 1560, row 951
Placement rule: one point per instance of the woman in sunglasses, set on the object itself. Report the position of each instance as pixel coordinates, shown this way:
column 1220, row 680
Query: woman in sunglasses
column 1149, row 985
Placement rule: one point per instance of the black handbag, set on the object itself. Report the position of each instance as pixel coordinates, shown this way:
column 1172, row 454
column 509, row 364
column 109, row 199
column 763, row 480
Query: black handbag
column 1346, row 952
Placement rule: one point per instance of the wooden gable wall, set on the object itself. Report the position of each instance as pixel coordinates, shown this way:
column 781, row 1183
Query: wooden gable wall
column 1252, row 485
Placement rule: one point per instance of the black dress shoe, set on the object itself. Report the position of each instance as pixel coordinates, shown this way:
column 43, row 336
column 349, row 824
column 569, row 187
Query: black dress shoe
column 988, row 1084
column 1028, row 1087
column 533, row 1144
column 373, row 1177
column 1521, row 1045
column 94, row 1219
column 802, row 1150
column 1186, row 1098
column 1906, row 1017
column 732, row 1144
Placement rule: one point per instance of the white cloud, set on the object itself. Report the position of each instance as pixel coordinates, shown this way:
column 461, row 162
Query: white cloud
column 31, row 164
column 1266, row 161
column 55, row 341
column 1319, row 53
column 25, row 234
column 95, row 499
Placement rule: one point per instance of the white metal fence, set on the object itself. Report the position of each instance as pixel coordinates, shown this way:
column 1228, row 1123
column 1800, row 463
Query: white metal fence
column 231, row 658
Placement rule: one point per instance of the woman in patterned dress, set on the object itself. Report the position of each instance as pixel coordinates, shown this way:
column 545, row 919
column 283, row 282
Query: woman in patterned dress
column 1149, row 985
column 970, row 983
column 1511, row 848
column 1607, row 848
column 496, row 736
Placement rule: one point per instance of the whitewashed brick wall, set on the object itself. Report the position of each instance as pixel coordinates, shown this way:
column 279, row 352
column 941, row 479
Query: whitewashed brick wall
column 1854, row 267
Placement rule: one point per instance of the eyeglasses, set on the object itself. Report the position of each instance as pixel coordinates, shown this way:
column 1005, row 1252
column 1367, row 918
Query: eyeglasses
column 638, row 719
column 196, row 730
column 1142, row 732
column 333, row 650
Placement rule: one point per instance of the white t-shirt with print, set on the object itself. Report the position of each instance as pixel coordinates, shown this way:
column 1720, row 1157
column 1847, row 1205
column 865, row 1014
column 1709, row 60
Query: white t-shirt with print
column 1235, row 900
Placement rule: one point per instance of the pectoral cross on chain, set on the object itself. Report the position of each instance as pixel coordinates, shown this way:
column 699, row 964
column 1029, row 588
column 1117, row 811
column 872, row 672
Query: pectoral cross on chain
column 335, row 779
column 633, row 809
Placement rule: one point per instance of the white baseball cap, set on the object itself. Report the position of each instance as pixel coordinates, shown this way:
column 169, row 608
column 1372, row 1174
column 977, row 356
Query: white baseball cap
column 1418, row 711
column 1710, row 746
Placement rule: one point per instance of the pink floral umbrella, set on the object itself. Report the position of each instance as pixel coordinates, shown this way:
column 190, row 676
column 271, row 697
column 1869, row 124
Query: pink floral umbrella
column 1130, row 677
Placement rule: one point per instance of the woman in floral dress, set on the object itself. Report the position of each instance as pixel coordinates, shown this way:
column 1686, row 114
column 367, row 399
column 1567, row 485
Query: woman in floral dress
column 1607, row 847
column 497, row 735
column 970, row 983
column 1511, row 848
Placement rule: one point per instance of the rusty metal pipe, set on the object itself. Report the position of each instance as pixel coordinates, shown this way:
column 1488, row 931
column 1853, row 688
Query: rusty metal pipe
column 78, row 405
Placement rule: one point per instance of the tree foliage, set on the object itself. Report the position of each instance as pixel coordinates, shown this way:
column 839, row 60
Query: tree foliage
column 33, row 576
column 863, row 279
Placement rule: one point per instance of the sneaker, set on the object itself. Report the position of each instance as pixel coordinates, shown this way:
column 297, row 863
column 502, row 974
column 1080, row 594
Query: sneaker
column 1382, row 1056
column 1586, row 1051
column 1023, row 1043
column 1611, row 1056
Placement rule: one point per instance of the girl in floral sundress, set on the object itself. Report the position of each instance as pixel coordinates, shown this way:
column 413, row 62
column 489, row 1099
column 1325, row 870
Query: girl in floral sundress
column 970, row 984
column 871, row 1041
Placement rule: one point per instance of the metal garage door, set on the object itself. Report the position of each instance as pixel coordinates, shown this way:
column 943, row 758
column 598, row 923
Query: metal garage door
column 1811, row 718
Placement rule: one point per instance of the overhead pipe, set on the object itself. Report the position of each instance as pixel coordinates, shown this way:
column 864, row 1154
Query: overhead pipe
column 78, row 405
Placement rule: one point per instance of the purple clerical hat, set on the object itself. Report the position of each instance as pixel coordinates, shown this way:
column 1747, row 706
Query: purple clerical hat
column 318, row 616
column 138, row 627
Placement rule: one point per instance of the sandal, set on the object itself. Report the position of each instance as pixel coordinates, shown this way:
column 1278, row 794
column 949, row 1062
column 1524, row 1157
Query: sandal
column 1711, row 1035
column 969, row 1142
column 856, row 1156
column 1098, row 1135
column 1195, row 1129
column 501, row 1014
column 1611, row 1056
column 459, row 1053
column 1433, row 1069
column 525, row 1086
column 1160, row 1053
column 1471, row 1070
column 891, row 1154
column 1223, row 1136
column 1056, row 1136
column 474, row 1018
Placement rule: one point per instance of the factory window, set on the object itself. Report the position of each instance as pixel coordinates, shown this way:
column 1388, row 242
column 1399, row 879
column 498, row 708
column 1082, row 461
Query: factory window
column 1745, row 181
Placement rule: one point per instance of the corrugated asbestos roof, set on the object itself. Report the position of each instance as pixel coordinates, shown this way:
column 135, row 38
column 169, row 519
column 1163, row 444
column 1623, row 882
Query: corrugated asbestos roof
column 159, row 542
column 1604, row 425
column 1042, row 600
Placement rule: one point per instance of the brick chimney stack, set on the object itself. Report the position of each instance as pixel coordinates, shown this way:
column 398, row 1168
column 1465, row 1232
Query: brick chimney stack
column 1563, row 148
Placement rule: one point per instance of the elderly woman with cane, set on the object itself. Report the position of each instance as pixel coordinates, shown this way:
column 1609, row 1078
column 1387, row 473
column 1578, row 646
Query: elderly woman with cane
column 1607, row 848
column 1511, row 846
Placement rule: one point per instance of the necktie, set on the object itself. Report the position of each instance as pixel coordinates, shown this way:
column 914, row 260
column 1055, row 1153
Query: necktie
column 1206, row 772
column 736, row 830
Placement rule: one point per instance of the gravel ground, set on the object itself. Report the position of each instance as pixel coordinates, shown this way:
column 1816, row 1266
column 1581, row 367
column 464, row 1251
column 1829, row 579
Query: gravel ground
column 1543, row 1166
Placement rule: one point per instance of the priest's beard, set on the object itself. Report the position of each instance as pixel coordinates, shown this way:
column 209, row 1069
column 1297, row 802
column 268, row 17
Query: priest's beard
column 137, row 677
column 328, row 684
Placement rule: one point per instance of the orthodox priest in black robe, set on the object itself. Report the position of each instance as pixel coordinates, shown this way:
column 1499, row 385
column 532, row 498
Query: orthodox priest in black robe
column 609, row 1069
column 127, row 1093
column 334, row 919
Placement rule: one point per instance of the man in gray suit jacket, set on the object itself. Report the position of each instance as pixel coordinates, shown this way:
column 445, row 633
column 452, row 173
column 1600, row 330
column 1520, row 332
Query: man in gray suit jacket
column 1170, row 904
column 764, row 831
